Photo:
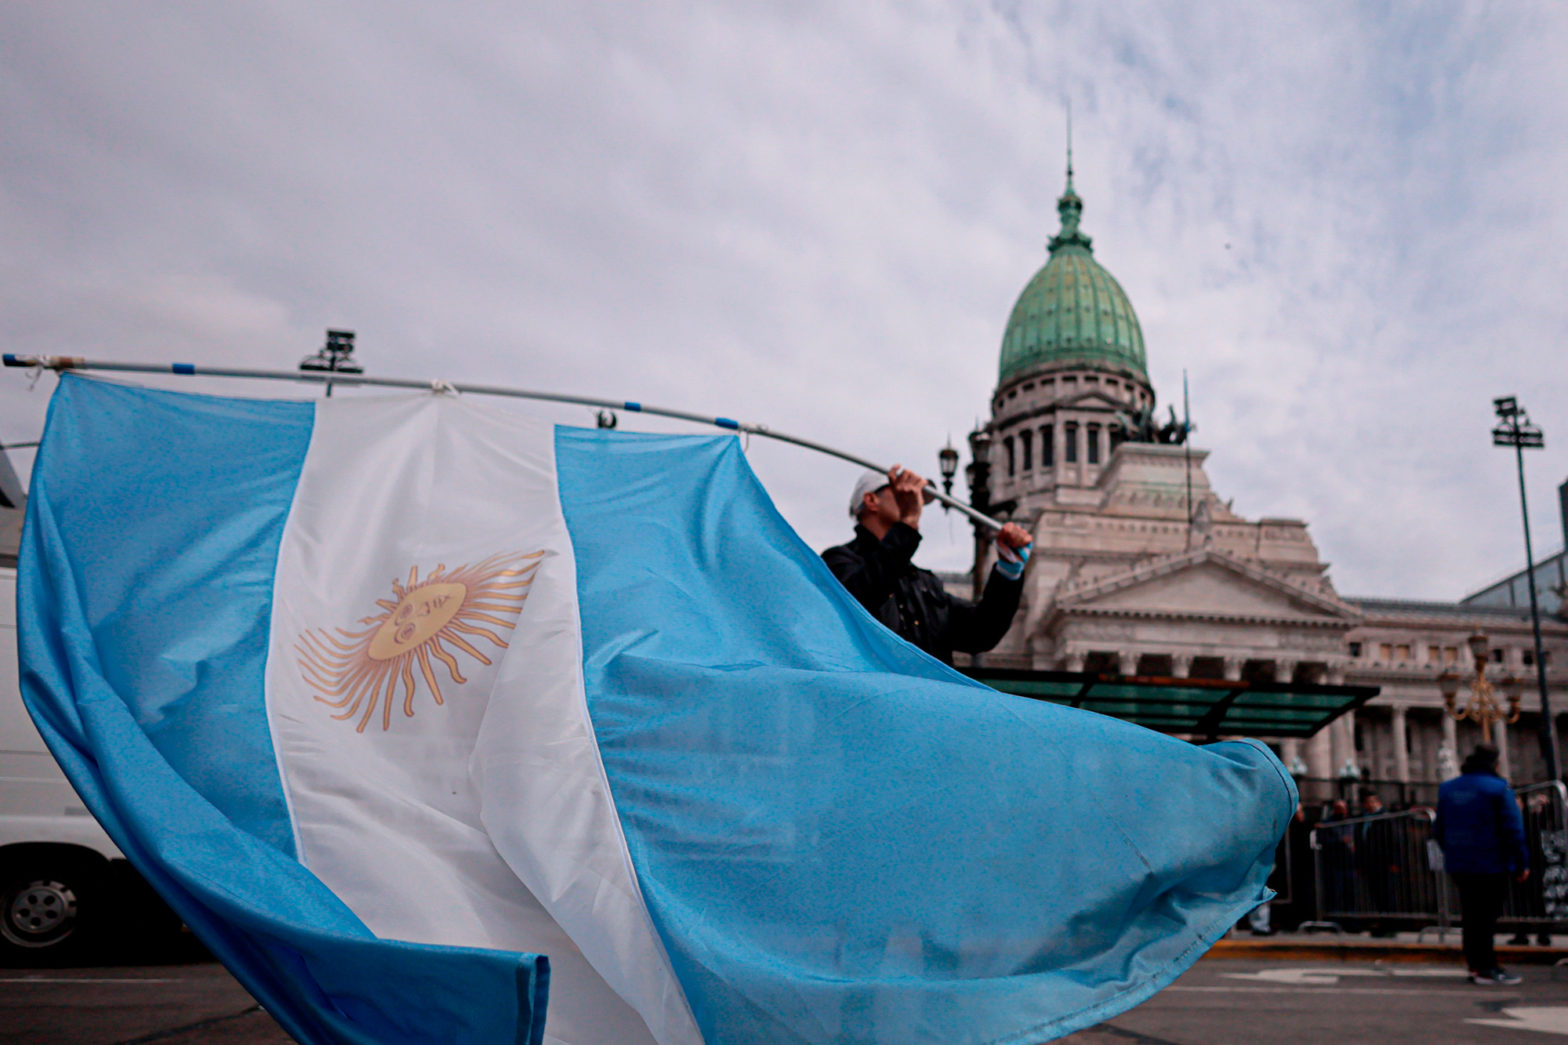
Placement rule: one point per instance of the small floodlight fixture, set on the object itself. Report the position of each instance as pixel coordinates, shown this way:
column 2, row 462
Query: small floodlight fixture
column 335, row 357
column 1515, row 427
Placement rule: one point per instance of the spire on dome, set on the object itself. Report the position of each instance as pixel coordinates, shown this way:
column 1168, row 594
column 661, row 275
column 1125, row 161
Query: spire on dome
column 1069, row 206
column 1069, row 146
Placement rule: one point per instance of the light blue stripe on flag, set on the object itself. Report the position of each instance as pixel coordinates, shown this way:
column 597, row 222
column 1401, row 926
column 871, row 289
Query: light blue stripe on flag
column 841, row 839
column 167, row 511
column 144, row 599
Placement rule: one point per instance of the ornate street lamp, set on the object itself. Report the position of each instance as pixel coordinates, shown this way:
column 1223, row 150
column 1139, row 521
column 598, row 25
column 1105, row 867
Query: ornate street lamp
column 978, row 474
column 1515, row 429
column 947, row 460
column 978, row 471
column 1483, row 708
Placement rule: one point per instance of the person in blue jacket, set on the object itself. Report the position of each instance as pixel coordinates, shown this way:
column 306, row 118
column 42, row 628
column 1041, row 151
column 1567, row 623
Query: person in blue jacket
column 1482, row 836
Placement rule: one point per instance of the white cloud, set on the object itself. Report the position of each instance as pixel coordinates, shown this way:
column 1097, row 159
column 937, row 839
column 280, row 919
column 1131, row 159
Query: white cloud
column 1342, row 221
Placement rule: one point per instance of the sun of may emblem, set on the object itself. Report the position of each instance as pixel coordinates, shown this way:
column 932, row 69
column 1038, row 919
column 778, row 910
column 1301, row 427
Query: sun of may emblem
column 359, row 670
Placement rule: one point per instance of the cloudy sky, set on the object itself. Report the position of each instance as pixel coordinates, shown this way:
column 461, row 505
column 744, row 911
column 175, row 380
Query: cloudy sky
column 1346, row 222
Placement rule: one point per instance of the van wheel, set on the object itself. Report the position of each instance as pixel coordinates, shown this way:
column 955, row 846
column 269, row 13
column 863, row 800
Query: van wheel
column 41, row 912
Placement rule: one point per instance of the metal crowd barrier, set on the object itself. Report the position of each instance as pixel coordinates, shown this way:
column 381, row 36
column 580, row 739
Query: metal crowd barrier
column 1540, row 903
column 1377, row 873
column 1384, row 873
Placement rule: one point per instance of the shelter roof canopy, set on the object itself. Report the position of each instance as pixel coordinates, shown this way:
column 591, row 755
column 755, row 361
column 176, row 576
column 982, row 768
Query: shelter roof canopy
column 1206, row 707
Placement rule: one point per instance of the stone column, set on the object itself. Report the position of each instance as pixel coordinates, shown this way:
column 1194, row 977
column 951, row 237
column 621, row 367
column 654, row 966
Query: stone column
column 1181, row 665
column 1232, row 669
column 1445, row 760
column 1343, row 740
column 1500, row 738
column 1320, row 755
column 1289, row 751
column 1284, row 670
column 1074, row 660
column 1342, row 732
column 1401, row 744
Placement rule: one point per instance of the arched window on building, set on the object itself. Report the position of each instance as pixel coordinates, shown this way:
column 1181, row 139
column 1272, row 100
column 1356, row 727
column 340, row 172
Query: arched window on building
column 1093, row 433
column 1047, row 451
column 1026, row 444
column 1070, row 437
column 1012, row 464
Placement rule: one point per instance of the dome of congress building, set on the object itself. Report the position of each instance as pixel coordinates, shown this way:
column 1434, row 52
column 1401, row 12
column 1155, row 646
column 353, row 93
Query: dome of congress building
column 1073, row 312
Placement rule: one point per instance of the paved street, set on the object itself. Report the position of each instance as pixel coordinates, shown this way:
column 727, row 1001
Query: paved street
column 1224, row 1002
column 171, row 1005
column 1218, row 1003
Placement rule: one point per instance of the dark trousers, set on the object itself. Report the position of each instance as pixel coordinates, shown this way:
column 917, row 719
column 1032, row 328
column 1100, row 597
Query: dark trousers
column 1480, row 904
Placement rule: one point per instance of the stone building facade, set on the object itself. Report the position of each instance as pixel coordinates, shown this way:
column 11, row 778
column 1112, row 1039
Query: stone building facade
column 1141, row 568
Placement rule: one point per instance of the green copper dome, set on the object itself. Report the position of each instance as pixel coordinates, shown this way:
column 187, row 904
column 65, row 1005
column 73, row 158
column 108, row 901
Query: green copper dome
column 1072, row 311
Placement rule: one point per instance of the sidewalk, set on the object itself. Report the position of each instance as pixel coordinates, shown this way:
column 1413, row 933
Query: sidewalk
column 1403, row 947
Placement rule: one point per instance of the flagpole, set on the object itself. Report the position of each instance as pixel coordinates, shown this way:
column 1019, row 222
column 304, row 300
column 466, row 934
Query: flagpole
column 64, row 363
column 1186, row 441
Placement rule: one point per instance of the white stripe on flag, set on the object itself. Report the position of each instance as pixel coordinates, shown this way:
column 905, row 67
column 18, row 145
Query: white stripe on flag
column 444, row 799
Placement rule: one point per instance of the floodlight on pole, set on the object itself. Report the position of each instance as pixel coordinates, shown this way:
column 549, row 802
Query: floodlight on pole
column 1515, row 429
column 336, row 356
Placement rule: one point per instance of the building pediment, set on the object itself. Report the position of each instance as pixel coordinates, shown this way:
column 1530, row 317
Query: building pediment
column 1209, row 584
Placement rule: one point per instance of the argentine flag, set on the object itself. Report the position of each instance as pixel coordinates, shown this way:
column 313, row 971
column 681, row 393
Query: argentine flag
column 423, row 713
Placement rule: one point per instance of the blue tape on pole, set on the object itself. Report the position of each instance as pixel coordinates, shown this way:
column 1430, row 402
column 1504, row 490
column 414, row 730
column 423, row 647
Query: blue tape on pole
column 10, row 360
column 724, row 422
column 184, row 368
column 633, row 406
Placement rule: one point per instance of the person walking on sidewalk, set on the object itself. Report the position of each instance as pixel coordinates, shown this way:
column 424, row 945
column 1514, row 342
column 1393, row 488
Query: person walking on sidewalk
column 1482, row 837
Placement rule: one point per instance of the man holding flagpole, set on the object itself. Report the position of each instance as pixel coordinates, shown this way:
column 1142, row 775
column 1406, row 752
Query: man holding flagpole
column 877, row 570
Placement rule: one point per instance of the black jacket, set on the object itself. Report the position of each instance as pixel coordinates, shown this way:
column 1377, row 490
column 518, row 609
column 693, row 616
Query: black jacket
column 912, row 601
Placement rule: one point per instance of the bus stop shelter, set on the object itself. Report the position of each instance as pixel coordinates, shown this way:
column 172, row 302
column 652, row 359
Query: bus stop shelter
column 1204, row 708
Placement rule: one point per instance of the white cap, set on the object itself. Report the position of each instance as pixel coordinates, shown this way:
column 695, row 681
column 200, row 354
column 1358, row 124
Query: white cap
column 869, row 482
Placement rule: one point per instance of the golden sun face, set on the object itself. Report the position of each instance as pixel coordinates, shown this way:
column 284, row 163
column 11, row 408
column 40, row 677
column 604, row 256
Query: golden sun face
column 424, row 620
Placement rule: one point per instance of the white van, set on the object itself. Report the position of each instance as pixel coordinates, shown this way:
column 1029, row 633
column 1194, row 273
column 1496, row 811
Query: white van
column 63, row 884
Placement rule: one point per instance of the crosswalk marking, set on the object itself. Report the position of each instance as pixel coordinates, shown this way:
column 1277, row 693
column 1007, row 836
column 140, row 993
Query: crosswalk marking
column 1548, row 1019
column 1325, row 977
